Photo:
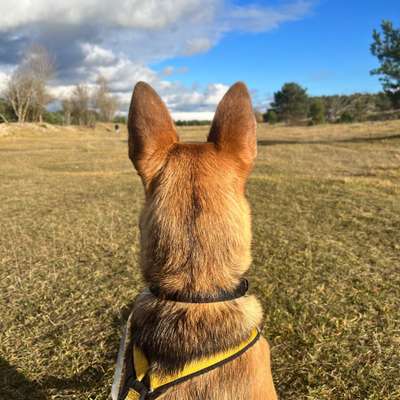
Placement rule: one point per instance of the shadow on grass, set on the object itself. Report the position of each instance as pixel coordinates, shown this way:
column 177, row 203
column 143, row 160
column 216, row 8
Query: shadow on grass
column 87, row 379
column 93, row 376
column 15, row 386
column 266, row 142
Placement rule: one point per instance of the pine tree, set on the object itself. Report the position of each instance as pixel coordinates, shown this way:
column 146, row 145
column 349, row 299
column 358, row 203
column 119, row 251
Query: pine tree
column 386, row 47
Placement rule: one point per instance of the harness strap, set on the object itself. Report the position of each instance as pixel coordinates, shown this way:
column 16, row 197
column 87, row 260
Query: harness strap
column 158, row 384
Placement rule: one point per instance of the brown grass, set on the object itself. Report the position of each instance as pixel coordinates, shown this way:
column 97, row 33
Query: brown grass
column 326, row 249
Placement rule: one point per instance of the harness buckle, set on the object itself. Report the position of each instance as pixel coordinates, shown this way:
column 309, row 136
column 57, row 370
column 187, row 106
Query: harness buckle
column 137, row 391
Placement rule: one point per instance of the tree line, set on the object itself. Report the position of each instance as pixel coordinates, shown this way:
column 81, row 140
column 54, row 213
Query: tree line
column 293, row 105
column 27, row 96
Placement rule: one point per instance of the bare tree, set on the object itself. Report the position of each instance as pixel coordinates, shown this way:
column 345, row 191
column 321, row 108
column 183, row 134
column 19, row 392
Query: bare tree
column 41, row 98
column 67, row 110
column 19, row 92
column 106, row 104
column 27, row 88
column 4, row 118
column 335, row 106
column 41, row 64
column 81, row 105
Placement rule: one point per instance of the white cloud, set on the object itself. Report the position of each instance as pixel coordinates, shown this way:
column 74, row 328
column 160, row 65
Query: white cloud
column 121, row 38
column 3, row 81
column 197, row 45
column 123, row 75
column 145, row 30
column 61, row 91
column 180, row 98
column 256, row 18
column 199, row 115
column 139, row 14
column 96, row 55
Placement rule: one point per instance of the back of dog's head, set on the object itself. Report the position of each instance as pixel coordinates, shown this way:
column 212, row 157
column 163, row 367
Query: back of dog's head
column 195, row 225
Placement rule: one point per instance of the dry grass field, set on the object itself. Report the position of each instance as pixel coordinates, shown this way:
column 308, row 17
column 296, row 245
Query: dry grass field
column 326, row 249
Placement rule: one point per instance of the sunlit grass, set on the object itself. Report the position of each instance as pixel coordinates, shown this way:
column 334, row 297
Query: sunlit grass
column 326, row 249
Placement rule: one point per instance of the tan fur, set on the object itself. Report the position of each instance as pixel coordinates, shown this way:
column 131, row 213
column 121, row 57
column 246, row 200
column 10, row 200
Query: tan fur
column 195, row 238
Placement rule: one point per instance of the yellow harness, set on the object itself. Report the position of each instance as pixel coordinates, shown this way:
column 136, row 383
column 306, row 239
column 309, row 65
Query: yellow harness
column 158, row 384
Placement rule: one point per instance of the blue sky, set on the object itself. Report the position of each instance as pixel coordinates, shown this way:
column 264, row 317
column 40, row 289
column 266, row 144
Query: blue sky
column 327, row 51
column 192, row 50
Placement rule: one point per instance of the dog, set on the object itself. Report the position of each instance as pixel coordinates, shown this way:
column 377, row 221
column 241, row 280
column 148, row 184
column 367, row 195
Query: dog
column 194, row 333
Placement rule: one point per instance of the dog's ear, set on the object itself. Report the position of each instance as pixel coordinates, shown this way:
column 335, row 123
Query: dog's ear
column 234, row 126
column 151, row 131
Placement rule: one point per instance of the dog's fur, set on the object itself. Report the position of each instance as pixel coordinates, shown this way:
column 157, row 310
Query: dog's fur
column 195, row 238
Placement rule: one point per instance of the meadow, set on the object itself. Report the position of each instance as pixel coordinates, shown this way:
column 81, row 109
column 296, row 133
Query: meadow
column 326, row 258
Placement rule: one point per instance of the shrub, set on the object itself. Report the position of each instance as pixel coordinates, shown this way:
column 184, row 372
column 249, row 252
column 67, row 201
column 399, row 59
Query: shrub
column 271, row 117
column 6, row 112
column 346, row 117
column 317, row 112
column 119, row 119
column 54, row 118
column 383, row 102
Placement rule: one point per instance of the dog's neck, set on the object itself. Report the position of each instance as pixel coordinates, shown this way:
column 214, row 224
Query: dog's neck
column 202, row 298
column 198, row 269
column 162, row 323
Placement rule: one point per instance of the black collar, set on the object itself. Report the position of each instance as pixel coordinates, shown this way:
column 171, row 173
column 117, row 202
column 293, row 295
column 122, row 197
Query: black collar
column 222, row 295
